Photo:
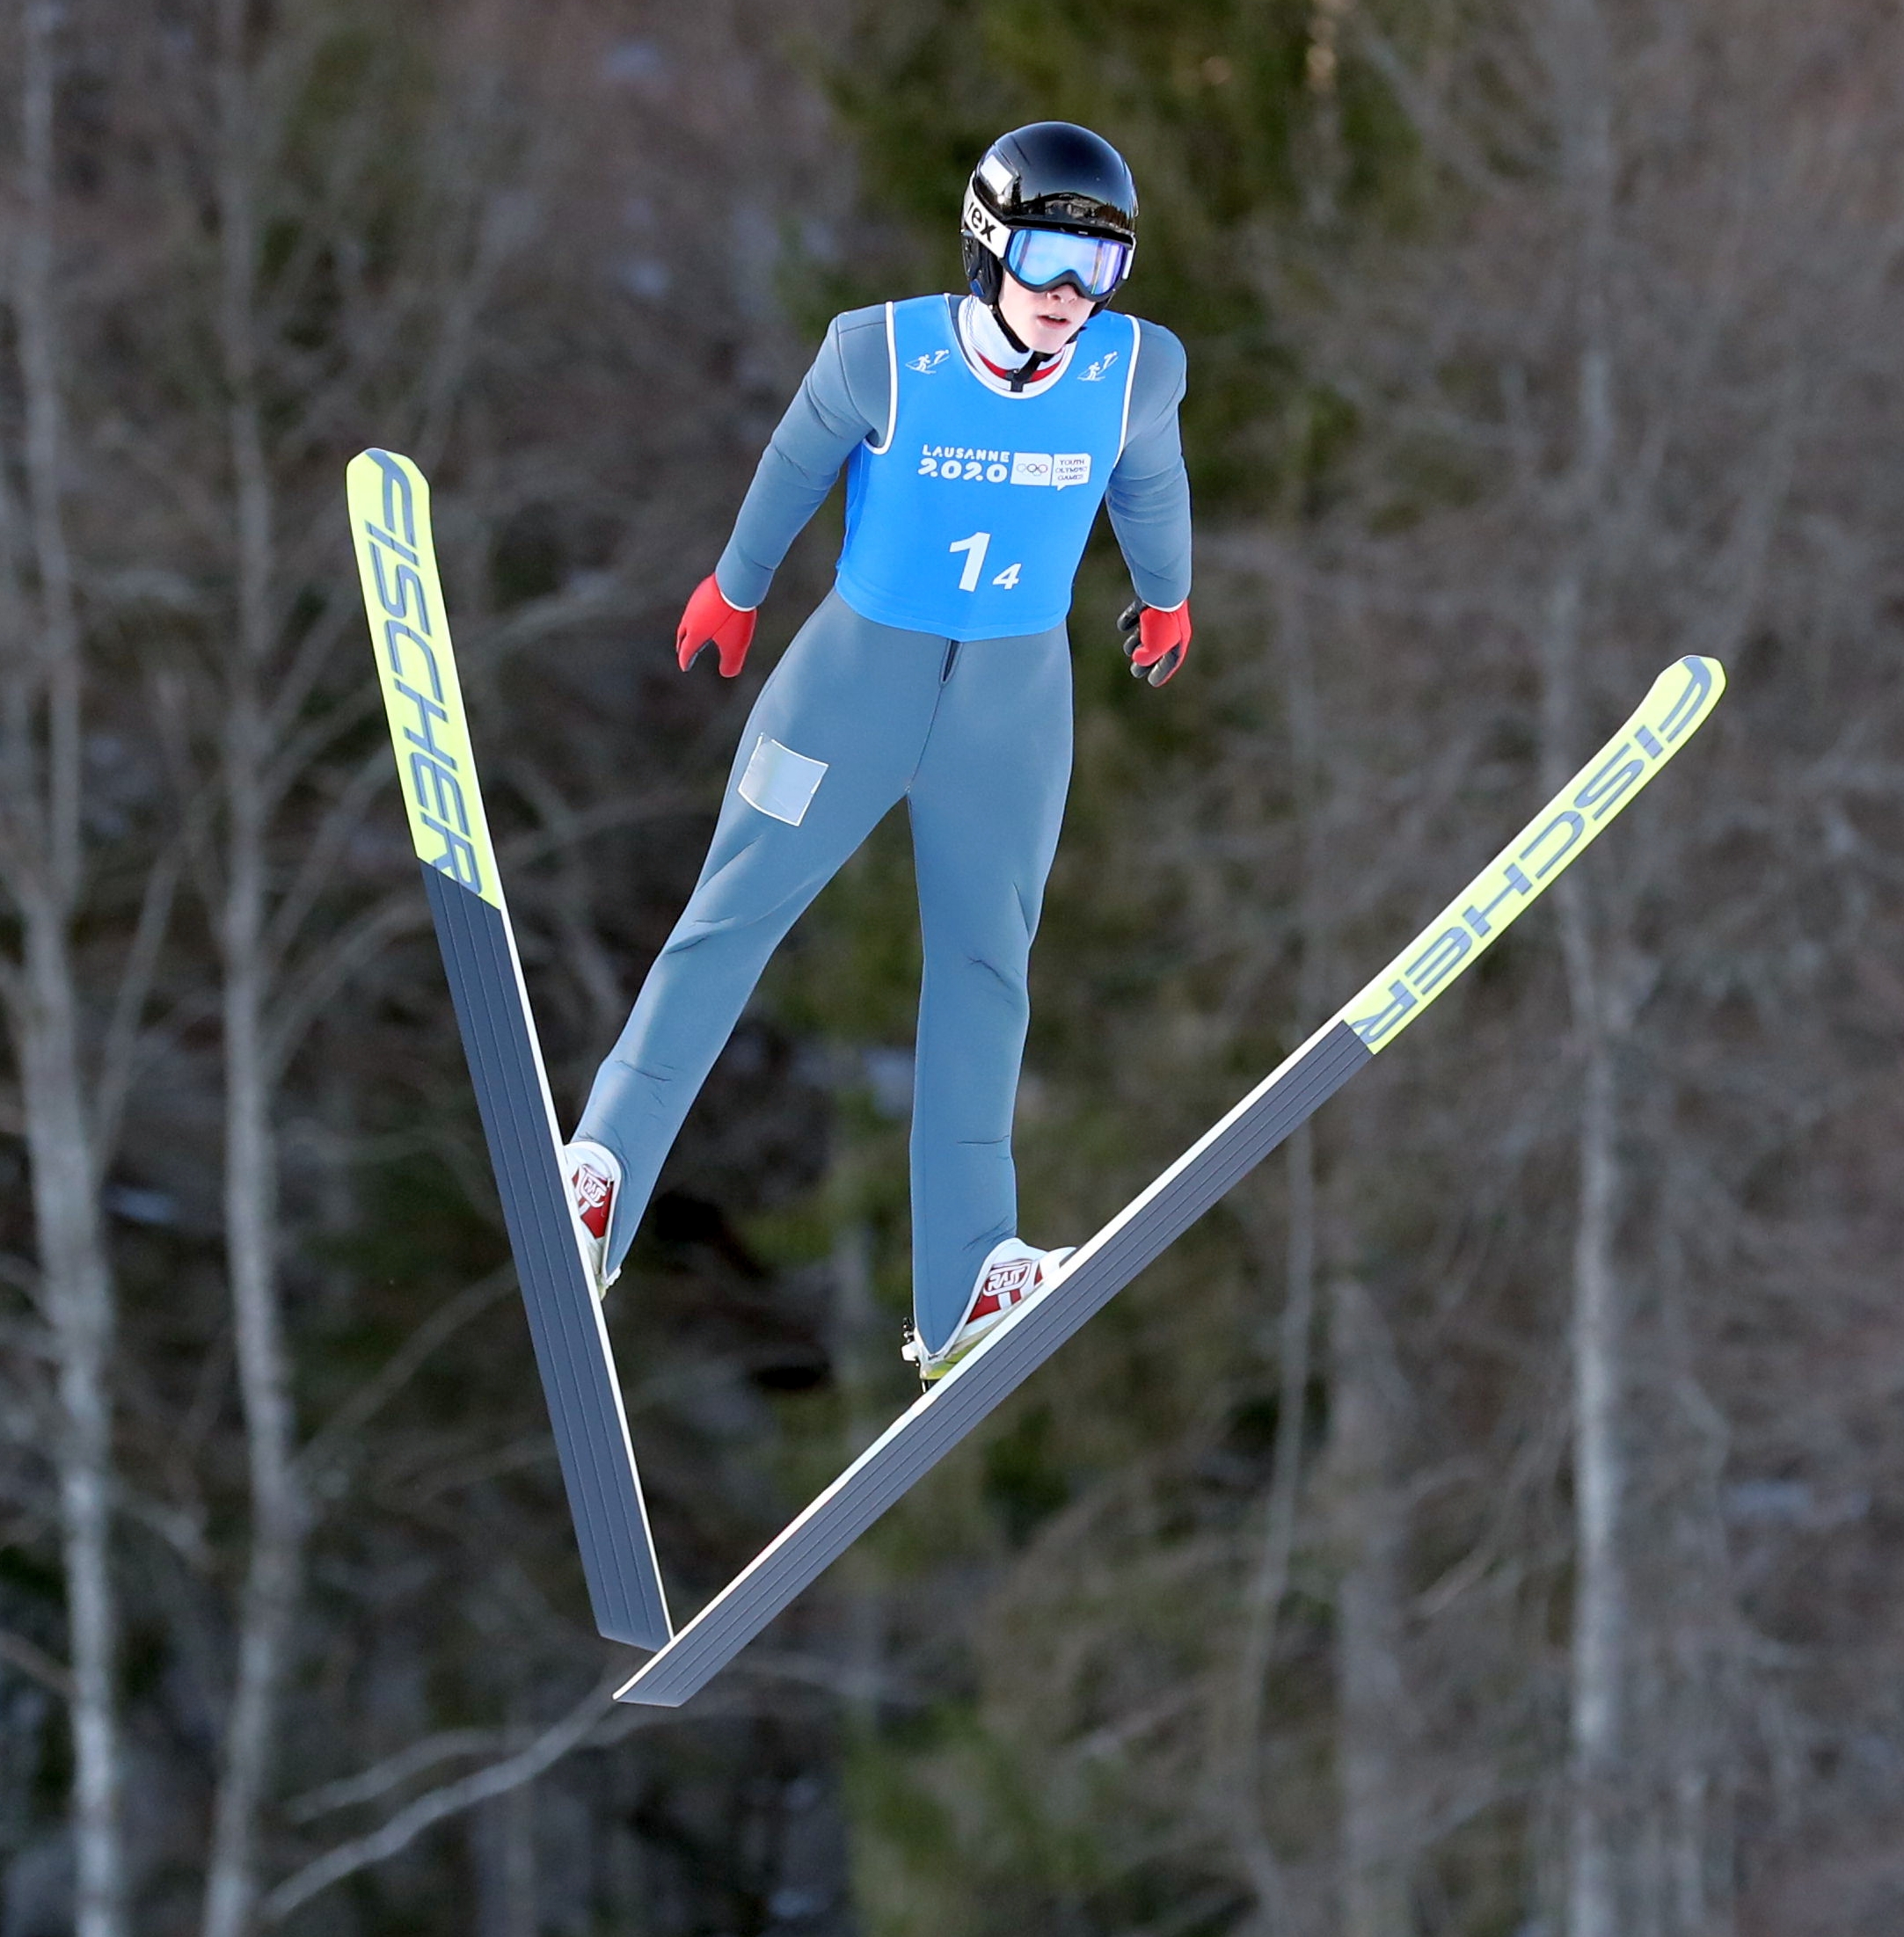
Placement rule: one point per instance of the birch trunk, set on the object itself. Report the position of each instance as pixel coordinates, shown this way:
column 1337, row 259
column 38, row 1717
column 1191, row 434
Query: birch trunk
column 1369, row 1531
column 79, row 1301
column 502, row 1852
column 1601, row 1647
column 277, row 1502
column 1602, row 1642
column 1269, row 1579
column 1367, row 1522
column 857, row 1339
column 1602, row 1664
column 44, row 870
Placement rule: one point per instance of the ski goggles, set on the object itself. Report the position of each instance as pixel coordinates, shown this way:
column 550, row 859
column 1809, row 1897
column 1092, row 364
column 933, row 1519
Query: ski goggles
column 1041, row 259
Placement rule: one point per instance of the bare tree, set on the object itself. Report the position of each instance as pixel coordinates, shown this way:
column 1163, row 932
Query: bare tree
column 1648, row 397
column 283, row 704
column 42, row 853
column 1368, row 1528
column 1581, row 82
column 1615, row 396
column 280, row 1513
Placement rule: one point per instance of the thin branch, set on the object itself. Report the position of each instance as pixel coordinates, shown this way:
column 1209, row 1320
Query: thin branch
column 571, row 1732
column 36, row 1664
column 298, row 680
column 297, row 753
column 321, row 850
column 117, row 1057
column 394, row 1770
column 356, row 1411
column 358, row 945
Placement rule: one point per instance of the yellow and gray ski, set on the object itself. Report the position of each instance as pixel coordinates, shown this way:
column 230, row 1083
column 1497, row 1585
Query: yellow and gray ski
column 1679, row 702
column 390, row 518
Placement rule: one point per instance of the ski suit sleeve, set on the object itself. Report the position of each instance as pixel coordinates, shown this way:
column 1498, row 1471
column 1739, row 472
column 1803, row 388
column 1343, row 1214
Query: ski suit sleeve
column 844, row 400
column 1149, row 494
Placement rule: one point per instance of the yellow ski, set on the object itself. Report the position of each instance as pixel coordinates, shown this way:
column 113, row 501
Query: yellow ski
column 389, row 520
column 1556, row 837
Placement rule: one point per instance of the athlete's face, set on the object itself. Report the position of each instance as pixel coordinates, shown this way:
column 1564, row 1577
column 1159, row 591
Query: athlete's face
column 1043, row 319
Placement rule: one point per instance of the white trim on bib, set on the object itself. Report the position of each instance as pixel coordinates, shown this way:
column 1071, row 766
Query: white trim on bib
column 1130, row 378
column 892, row 394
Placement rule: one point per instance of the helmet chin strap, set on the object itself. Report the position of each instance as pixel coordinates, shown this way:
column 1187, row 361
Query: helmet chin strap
column 1034, row 359
column 1008, row 332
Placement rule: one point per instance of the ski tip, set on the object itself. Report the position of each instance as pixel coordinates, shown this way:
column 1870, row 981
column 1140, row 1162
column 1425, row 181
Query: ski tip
column 390, row 501
column 376, row 459
column 1681, row 698
column 1702, row 669
column 389, row 497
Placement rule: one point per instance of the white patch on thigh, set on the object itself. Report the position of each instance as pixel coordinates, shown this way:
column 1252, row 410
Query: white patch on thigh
column 781, row 782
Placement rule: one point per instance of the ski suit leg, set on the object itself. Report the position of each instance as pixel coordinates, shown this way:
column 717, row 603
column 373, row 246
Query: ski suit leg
column 851, row 694
column 986, row 806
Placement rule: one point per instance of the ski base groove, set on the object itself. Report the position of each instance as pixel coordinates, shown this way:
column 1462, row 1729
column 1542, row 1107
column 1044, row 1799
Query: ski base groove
column 1675, row 706
column 919, row 1438
column 565, row 1321
column 403, row 593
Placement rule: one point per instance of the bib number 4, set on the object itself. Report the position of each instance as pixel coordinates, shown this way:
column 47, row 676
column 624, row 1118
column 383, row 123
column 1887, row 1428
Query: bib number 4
column 975, row 548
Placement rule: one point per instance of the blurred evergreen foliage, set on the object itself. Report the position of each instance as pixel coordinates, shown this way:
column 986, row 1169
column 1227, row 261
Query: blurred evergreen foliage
column 1215, row 106
column 573, row 255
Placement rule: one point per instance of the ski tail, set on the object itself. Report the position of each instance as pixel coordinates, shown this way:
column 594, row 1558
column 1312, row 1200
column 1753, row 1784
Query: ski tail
column 389, row 513
column 1450, row 944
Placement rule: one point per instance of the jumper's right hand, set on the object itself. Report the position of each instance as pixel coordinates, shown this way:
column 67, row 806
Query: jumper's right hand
column 709, row 621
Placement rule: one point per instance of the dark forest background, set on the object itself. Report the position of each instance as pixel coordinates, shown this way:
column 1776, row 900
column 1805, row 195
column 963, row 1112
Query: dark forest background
column 1490, row 1523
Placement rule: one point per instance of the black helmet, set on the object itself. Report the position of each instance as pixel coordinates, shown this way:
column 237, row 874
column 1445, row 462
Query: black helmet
column 1052, row 175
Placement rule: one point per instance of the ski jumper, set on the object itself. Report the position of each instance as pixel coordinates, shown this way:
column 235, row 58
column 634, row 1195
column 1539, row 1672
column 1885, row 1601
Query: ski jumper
column 937, row 671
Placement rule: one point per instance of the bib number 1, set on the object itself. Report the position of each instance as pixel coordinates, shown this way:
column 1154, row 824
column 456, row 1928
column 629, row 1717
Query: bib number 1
column 974, row 549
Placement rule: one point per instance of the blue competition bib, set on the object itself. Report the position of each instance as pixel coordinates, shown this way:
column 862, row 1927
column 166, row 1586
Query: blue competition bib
column 969, row 521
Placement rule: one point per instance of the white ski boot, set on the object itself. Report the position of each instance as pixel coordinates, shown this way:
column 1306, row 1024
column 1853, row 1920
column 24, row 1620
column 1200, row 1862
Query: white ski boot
column 593, row 1176
column 1013, row 1274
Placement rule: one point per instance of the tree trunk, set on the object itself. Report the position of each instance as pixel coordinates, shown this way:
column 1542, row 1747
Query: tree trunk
column 1601, row 1644
column 1269, row 1579
column 44, row 840
column 1369, row 1532
column 858, row 1341
column 1247, row 1705
column 1579, row 66
column 502, row 1852
column 78, row 1295
column 1601, row 1641
column 278, row 1515
column 278, row 1506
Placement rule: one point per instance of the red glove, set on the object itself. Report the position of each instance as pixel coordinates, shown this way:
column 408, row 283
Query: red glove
column 711, row 620
column 1155, row 642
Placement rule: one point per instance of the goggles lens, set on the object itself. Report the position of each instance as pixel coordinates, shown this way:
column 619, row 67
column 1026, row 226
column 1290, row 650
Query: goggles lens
column 1041, row 259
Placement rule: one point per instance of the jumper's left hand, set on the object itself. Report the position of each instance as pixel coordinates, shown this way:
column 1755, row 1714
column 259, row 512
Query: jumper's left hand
column 709, row 621
column 1154, row 642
